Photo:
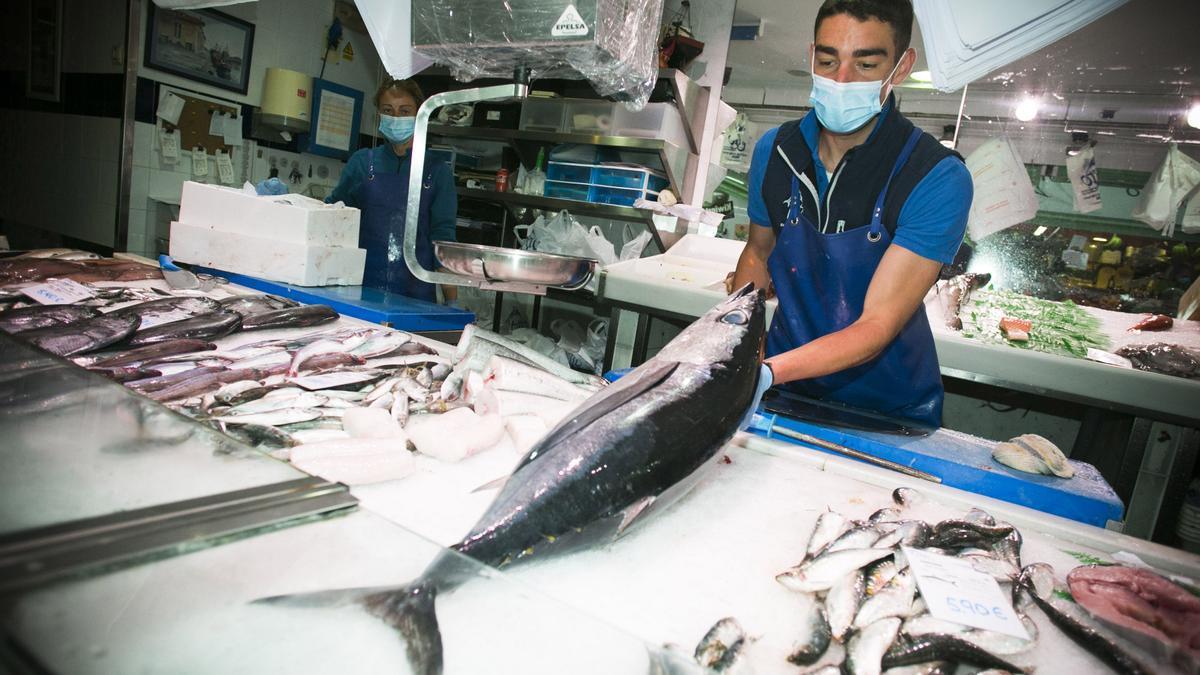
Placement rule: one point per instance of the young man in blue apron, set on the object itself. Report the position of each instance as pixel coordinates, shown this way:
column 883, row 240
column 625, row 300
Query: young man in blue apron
column 375, row 180
column 853, row 211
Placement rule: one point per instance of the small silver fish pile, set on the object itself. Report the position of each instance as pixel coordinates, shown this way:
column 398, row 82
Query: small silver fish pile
column 859, row 604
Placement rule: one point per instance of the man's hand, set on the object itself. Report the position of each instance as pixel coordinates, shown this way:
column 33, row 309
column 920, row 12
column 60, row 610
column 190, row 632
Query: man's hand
column 752, row 264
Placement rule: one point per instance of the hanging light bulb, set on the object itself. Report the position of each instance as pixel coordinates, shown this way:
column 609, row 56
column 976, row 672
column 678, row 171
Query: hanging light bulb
column 1027, row 109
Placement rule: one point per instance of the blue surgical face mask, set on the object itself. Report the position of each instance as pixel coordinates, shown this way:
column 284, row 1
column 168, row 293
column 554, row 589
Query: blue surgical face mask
column 843, row 107
column 396, row 129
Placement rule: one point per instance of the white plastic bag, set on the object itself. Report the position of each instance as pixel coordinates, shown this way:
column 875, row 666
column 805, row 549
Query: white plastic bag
column 1003, row 194
column 1168, row 187
column 1081, row 169
column 632, row 248
column 602, row 249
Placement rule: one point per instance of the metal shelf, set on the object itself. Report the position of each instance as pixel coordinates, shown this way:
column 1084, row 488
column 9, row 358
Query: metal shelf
column 673, row 158
column 578, row 208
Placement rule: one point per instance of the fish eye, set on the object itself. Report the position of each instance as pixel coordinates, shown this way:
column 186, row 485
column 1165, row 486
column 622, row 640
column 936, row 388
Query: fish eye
column 737, row 317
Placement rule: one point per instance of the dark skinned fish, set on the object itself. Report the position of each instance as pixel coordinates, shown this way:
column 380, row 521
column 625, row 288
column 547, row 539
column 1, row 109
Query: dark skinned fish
column 939, row 647
column 247, row 305
column 629, row 450
column 126, row 373
column 169, row 310
column 152, row 351
column 44, row 316
column 83, row 336
column 291, row 317
column 164, row 381
column 203, row 327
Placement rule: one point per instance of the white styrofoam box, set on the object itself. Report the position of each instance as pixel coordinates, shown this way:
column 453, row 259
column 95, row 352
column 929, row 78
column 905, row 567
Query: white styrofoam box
column 267, row 258
column 230, row 210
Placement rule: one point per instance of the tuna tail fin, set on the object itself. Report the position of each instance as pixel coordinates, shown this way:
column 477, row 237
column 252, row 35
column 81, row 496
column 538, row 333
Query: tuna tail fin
column 411, row 611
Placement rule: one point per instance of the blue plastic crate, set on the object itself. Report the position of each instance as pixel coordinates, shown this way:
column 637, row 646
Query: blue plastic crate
column 569, row 172
column 566, row 191
column 616, row 196
column 638, row 178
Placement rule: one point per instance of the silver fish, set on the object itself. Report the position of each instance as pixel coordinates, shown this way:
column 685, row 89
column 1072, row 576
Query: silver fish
column 905, row 497
column 864, row 651
column 814, row 632
column 721, row 646
column 80, row 337
column 843, row 600
column 274, row 418
column 820, row 573
column 892, row 600
column 863, row 536
column 830, row 526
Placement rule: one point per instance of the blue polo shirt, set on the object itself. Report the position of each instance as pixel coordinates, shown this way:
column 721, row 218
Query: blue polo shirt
column 443, row 212
column 934, row 217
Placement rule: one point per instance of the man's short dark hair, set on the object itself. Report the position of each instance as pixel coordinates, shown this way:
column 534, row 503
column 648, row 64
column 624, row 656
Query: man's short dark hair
column 896, row 13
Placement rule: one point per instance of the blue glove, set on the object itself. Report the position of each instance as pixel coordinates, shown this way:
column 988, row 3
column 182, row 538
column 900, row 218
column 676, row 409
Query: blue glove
column 271, row 186
column 765, row 379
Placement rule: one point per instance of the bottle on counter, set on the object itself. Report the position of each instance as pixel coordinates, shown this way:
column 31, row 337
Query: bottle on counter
column 502, row 180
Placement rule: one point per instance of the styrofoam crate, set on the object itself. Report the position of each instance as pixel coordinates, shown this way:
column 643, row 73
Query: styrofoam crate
column 277, row 219
column 267, row 258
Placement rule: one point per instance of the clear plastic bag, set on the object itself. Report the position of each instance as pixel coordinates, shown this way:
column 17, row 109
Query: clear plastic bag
column 611, row 43
column 1168, row 186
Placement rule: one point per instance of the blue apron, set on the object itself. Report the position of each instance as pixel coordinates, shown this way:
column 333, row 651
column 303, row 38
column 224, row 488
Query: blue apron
column 821, row 280
column 381, row 231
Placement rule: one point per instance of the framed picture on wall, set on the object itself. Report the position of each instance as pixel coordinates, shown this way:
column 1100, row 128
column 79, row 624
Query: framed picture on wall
column 45, row 50
column 200, row 44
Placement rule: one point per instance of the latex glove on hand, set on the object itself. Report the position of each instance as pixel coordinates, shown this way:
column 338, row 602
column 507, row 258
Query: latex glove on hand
column 271, row 186
column 765, row 379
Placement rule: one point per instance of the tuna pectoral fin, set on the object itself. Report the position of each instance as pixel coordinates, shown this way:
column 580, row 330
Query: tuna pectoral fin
column 631, row 514
column 408, row 609
column 495, row 484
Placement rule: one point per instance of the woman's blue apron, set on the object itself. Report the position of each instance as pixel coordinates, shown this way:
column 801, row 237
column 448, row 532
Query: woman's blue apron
column 821, row 281
column 381, row 231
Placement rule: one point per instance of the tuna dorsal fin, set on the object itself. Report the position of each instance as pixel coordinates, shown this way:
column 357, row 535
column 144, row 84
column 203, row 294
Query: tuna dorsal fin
column 623, row 391
column 493, row 484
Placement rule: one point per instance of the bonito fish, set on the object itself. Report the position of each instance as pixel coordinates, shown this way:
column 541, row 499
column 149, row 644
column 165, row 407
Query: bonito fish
column 627, row 451
column 43, row 316
column 82, row 336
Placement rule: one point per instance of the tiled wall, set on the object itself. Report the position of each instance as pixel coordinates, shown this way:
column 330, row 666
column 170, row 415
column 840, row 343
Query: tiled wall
column 155, row 185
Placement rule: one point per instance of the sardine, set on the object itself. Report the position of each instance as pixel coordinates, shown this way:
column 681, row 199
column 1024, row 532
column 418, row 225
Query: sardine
column 632, row 449
column 819, row 573
column 863, row 536
column 721, row 646
column 992, row 642
column 203, row 327
column 880, row 574
column 814, row 632
column 885, row 515
column 937, row 647
column 909, row 533
column 843, row 600
column 80, row 337
column 43, row 316
column 864, row 651
column 905, row 497
column 830, row 526
column 894, row 599
column 291, row 317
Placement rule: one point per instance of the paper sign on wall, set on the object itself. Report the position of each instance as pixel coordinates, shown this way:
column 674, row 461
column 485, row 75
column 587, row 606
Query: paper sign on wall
column 232, row 131
column 216, row 124
column 224, row 167
column 335, row 119
column 199, row 162
column 169, row 142
column 170, row 107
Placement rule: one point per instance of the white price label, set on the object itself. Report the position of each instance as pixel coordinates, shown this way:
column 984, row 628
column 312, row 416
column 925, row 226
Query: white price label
column 956, row 591
column 58, row 292
column 335, row 379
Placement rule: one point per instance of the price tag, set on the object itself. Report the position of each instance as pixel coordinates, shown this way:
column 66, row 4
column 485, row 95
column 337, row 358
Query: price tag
column 199, row 162
column 58, row 292
column 335, row 379
column 956, row 591
column 224, row 167
column 1111, row 359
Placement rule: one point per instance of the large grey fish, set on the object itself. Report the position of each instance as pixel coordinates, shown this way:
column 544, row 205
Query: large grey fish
column 168, row 310
column 83, row 336
column 290, row 317
column 44, row 316
column 627, row 451
column 148, row 352
column 247, row 305
column 203, row 327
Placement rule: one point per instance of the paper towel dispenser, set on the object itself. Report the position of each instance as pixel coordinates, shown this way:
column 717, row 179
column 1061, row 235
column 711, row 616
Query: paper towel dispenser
column 286, row 100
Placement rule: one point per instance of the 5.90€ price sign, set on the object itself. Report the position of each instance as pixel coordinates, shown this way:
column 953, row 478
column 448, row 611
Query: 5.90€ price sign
column 956, row 591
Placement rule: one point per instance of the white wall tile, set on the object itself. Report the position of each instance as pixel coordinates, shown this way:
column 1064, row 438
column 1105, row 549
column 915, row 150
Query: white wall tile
column 166, row 184
column 139, row 187
column 137, row 222
column 143, row 143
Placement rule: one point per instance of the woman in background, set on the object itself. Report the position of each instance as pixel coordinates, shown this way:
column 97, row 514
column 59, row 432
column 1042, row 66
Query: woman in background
column 375, row 181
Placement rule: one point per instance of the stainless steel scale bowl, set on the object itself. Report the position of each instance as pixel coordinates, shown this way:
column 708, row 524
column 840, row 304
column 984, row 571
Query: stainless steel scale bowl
column 492, row 264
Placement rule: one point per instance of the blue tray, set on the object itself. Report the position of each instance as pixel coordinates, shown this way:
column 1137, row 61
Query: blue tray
column 965, row 462
column 361, row 302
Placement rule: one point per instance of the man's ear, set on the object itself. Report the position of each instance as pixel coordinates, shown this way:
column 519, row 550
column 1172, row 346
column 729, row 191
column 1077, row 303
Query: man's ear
column 908, row 60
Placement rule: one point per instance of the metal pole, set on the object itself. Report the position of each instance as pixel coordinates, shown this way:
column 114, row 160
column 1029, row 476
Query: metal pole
column 958, row 121
column 133, row 20
column 851, row 452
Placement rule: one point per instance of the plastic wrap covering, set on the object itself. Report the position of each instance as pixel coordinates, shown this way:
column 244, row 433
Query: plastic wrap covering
column 611, row 43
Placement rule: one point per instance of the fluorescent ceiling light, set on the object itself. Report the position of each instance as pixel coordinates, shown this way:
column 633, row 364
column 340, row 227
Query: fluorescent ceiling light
column 1099, row 238
column 1193, row 116
column 1027, row 109
column 922, row 76
column 1041, row 229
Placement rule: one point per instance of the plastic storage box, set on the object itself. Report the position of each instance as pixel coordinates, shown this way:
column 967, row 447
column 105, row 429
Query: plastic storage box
column 542, row 114
column 569, row 172
column 585, row 116
column 656, row 120
column 561, row 190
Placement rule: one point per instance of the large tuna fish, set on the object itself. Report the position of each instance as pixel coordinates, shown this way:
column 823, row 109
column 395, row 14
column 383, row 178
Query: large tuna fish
column 629, row 450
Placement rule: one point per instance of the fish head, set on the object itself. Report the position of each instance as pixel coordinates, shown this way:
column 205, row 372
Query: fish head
column 731, row 333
